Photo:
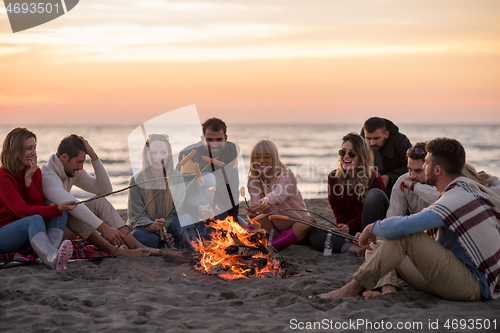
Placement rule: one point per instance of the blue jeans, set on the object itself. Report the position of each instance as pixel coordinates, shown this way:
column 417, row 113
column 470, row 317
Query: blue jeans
column 152, row 239
column 18, row 234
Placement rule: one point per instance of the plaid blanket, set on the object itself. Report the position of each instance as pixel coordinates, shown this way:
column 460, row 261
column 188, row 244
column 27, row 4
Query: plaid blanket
column 472, row 213
column 81, row 250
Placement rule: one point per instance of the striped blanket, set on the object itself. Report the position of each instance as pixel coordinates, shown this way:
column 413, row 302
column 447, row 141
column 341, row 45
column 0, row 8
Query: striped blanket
column 81, row 250
column 472, row 212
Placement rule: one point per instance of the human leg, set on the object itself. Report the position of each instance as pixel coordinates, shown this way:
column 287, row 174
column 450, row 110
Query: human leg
column 440, row 271
column 32, row 230
column 375, row 207
column 55, row 228
column 146, row 237
column 388, row 283
column 17, row 235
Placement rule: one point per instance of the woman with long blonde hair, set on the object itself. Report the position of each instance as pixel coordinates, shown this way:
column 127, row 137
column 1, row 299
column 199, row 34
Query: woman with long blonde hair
column 270, row 178
column 24, row 218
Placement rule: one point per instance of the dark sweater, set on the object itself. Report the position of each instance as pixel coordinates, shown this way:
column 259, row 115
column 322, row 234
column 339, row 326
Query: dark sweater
column 347, row 208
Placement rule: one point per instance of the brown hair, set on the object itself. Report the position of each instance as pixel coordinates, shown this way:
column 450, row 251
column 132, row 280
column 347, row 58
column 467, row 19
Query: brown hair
column 14, row 146
column 364, row 172
column 448, row 153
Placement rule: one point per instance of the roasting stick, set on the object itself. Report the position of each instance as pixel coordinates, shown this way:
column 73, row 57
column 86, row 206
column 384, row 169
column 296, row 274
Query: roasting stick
column 266, row 202
column 124, row 189
column 307, row 211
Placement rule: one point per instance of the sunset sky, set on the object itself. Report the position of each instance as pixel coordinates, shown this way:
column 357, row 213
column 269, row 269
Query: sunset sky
column 329, row 61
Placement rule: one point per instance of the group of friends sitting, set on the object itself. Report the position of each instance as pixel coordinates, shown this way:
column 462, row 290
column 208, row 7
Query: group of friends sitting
column 420, row 213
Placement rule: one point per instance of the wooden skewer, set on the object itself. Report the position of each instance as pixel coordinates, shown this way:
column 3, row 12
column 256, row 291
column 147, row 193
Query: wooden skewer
column 294, row 219
column 308, row 211
column 124, row 189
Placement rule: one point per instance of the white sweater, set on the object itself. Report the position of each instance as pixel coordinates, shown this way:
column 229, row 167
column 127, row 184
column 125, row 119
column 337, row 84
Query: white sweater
column 57, row 186
column 421, row 197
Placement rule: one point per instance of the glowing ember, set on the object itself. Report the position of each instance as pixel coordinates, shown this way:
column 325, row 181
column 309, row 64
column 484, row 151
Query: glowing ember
column 234, row 252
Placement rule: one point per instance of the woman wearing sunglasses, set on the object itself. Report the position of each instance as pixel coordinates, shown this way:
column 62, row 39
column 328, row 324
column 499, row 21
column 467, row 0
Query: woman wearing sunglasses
column 348, row 188
column 24, row 218
column 269, row 177
column 150, row 225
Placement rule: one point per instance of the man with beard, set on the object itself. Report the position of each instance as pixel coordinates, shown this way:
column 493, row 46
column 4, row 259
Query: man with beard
column 389, row 148
column 462, row 262
column 410, row 194
column 65, row 169
column 200, row 203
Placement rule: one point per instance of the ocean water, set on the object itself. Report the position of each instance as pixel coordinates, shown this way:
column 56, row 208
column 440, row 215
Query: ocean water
column 310, row 150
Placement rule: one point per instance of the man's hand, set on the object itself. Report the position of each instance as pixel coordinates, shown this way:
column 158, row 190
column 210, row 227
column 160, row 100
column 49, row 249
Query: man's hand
column 405, row 183
column 366, row 235
column 385, row 178
column 206, row 212
column 88, row 149
column 115, row 236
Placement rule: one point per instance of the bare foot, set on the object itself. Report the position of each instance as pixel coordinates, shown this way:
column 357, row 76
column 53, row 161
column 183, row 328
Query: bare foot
column 356, row 249
column 133, row 253
column 351, row 289
column 387, row 289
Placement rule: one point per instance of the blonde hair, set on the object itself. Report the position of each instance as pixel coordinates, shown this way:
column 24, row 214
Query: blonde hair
column 277, row 167
column 14, row 146
column 364, row 170
column 165, row 194
column 470, row 172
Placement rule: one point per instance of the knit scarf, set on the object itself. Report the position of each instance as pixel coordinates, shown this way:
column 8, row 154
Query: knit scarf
column 472, row 213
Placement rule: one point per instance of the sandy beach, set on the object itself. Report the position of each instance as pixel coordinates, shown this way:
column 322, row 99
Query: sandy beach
column 152, row 295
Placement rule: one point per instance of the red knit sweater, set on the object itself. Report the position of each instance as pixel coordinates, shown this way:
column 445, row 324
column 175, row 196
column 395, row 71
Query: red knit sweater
column 347, row 208
column 18, row 201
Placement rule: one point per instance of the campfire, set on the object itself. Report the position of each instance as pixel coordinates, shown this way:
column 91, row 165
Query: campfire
column 234, row 253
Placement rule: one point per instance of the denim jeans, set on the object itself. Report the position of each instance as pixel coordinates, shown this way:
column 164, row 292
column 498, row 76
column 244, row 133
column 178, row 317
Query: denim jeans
column 17, row 235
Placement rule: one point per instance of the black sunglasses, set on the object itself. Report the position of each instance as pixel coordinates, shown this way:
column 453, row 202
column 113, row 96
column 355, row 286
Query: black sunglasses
column 351, row 154
column 417, row 151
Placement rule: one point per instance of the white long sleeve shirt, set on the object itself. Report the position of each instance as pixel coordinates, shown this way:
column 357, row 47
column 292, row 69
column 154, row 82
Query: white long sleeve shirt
column 57, row 186
column 421, row 197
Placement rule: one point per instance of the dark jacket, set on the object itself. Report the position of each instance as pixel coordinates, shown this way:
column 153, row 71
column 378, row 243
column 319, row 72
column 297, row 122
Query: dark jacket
column 390, row 160
column 226, row 196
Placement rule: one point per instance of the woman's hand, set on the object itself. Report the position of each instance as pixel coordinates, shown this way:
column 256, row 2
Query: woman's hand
column 343, row 228
column 157, row 225
column 67, row 205
column 30, row 171
column 168, row 237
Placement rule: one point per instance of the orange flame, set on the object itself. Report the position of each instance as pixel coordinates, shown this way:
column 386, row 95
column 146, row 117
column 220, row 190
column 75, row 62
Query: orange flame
column 229, row 233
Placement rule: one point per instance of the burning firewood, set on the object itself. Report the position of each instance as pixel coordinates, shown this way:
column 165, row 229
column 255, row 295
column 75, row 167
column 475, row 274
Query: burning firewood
column 244, row 250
